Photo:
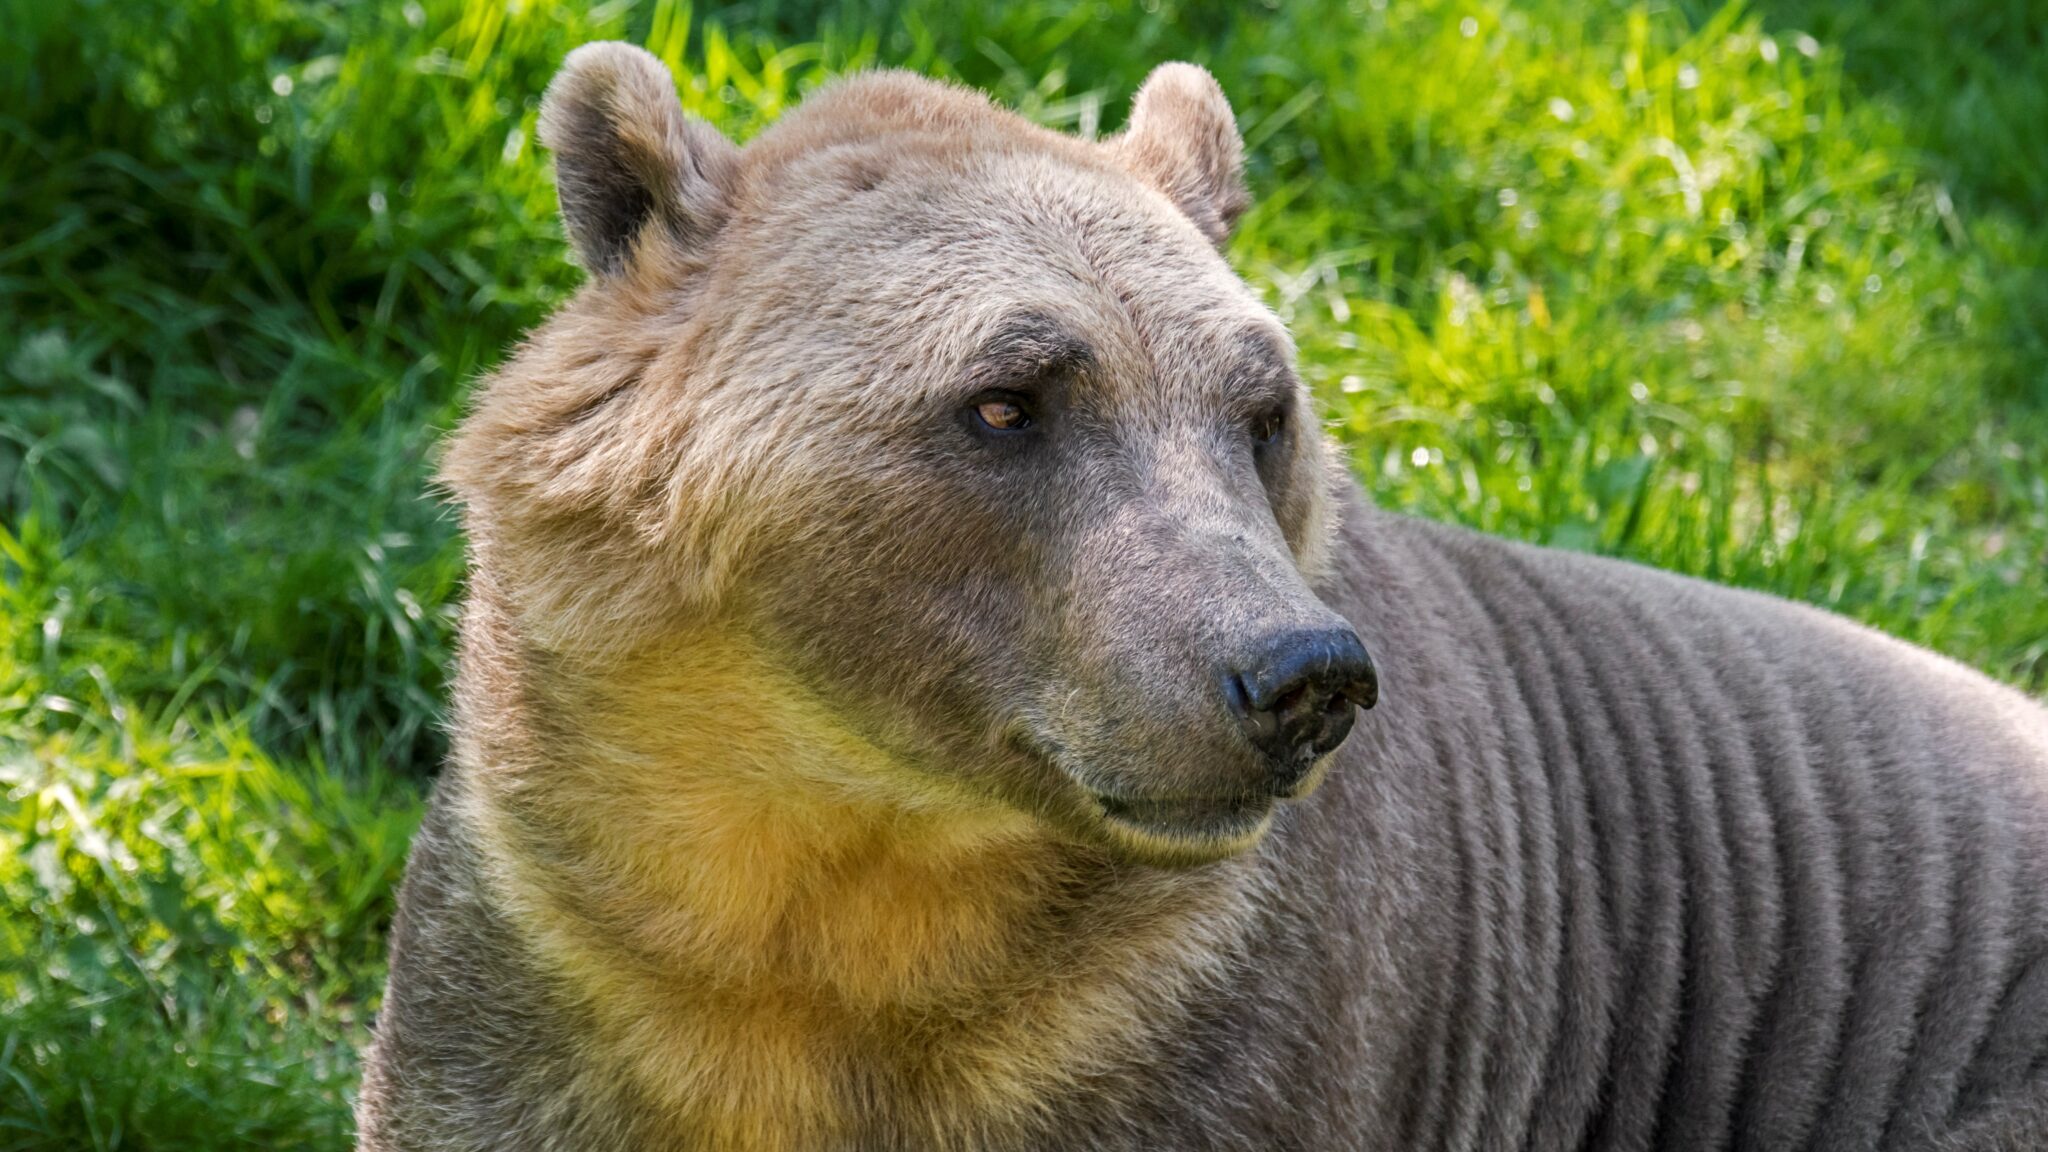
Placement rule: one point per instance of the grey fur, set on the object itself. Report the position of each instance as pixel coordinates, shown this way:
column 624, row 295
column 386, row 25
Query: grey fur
column 1621, row 861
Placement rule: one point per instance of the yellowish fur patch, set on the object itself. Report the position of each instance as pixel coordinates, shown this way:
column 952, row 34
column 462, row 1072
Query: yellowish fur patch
column 771, row 919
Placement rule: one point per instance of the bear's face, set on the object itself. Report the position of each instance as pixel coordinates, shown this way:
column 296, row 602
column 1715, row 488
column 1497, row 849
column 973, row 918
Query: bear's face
column 965, row 424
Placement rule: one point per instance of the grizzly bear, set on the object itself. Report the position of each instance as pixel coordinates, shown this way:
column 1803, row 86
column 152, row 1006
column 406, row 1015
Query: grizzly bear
column 925, row 684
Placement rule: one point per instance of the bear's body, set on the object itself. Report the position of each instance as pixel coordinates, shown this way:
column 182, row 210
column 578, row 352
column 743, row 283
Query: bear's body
column 744, row 845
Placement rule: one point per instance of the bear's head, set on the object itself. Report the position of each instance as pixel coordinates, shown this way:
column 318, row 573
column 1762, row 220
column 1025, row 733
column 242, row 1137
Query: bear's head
column 959, row 429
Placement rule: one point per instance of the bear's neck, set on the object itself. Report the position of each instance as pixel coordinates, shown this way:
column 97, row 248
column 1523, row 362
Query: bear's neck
column 781, row 934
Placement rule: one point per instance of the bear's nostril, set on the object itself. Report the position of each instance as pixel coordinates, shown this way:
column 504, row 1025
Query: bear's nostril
column 1296, row 701
column 1261, row 724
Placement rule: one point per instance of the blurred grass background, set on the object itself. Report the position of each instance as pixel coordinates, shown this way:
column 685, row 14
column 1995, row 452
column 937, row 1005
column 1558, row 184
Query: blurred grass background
column 1757, row 292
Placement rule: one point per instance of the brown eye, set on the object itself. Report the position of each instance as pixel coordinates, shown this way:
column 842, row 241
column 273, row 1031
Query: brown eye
column 1267, row 426
column 1003, row 415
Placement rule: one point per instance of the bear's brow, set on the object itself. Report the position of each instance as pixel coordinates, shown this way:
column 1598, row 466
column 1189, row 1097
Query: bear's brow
column 1262, row 356
column 1029, row 346
column 1261, row 370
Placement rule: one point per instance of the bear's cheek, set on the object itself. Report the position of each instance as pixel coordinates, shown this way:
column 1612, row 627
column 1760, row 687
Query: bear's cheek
column 925, row 617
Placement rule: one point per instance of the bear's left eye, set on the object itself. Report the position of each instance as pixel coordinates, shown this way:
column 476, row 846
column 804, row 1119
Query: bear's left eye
column 1002, row 412
column 1268, row 425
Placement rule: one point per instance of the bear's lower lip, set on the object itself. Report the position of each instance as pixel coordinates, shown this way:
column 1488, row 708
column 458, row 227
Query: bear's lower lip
column 1204, row 818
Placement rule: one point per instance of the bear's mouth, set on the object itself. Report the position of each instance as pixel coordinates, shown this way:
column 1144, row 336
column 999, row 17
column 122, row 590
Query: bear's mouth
column 1168, row 831
column 1220, row 823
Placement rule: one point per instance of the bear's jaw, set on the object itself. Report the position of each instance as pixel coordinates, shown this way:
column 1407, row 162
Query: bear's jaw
column 770, row 952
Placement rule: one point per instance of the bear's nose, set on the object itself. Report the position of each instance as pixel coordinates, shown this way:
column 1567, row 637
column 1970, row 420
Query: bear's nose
column 1294, row 694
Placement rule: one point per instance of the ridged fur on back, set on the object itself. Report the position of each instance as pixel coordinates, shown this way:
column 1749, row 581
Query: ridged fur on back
column 1728, row 873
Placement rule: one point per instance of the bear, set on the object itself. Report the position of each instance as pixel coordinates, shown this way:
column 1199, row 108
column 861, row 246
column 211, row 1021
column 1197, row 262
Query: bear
column 927, row 682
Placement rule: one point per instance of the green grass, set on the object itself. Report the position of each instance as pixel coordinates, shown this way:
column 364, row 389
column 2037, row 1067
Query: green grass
column 1755, row 293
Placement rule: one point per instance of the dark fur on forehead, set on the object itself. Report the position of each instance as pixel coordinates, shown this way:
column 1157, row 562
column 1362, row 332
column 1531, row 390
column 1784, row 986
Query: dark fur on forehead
column 1264, row 355
column 1029, row 345
column 1262, row 371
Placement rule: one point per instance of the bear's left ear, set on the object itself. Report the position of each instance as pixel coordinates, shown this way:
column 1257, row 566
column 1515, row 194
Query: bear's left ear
column 1183, row 140
column 626, row 157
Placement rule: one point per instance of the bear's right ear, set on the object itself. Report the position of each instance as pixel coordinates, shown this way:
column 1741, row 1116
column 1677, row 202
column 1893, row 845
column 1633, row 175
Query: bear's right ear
column 626, row 157
column 1183, row 140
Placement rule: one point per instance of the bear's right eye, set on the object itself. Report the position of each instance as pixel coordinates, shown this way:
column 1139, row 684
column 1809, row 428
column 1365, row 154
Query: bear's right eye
column 1268, row 425
column 1002, row 413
